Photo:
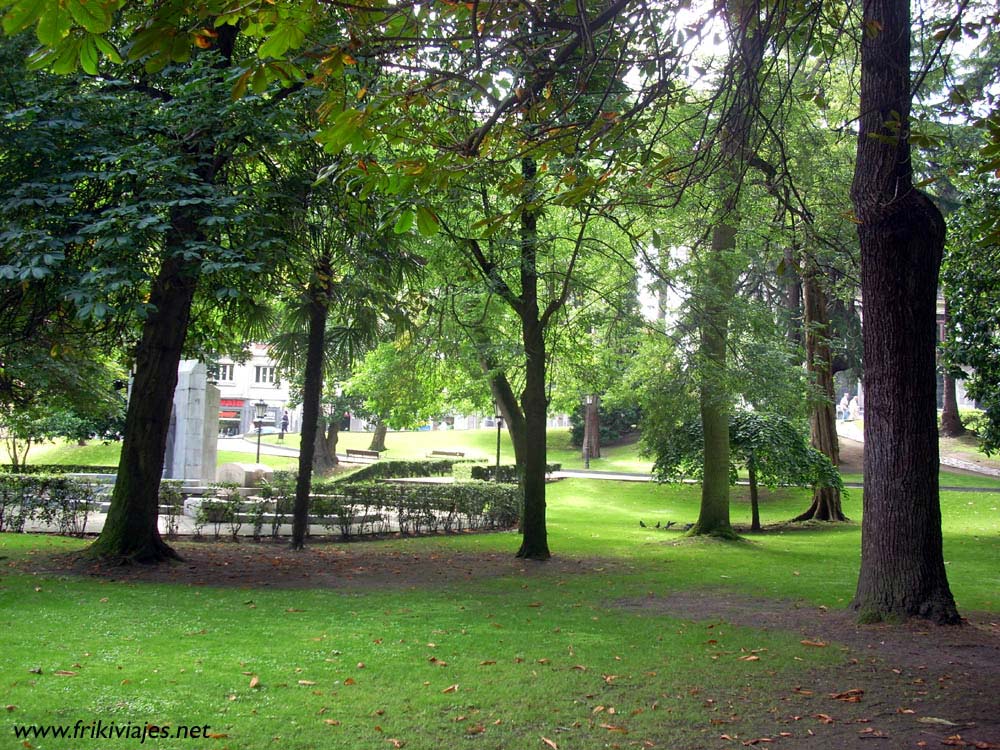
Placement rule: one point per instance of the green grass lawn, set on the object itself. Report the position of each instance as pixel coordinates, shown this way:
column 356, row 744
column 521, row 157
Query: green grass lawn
column 536, row 654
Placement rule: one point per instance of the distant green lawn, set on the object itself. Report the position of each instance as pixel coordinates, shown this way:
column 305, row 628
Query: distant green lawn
column 536, row 654
column 479, row 444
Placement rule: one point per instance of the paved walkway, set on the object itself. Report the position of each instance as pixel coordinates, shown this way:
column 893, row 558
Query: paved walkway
column 853, row 431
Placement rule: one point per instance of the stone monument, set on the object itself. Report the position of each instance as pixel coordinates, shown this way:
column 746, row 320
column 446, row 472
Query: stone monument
column 192, row 442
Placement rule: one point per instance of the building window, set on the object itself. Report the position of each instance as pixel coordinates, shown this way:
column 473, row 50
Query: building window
column 225, row 373
column 264, row 374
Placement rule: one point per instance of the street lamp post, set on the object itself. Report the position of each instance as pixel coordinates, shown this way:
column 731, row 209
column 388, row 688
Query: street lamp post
column 499, row 419
column 260, row 411
column 587, row 429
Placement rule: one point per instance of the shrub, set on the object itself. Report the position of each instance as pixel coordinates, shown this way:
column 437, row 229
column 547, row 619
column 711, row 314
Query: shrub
column 359, row 509
column 61, row 501
column 171, row 505
column 58, row 469
column 438, row 467
column 508, row 473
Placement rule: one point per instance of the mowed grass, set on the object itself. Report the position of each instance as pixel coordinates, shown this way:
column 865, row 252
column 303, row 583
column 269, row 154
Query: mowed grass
column 498, row 662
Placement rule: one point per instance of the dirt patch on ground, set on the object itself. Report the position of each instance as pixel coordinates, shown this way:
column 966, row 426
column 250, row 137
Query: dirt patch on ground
column 899, row 686
column 323, row 566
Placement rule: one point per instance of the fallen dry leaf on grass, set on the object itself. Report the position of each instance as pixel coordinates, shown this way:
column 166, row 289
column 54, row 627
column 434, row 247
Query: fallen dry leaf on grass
column 849, row 696
column 550, row 743
column 254, row 682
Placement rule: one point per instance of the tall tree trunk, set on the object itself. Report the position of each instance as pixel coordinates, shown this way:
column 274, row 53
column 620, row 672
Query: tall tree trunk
column 378, row 437
column 534, row 400
column 951, row 422
column 748, row 39
column 592, row 427
column 713, row 392
column 312, row 392
column 754, row 496
column 826, row 504
column 902, row 235
column 130, row 531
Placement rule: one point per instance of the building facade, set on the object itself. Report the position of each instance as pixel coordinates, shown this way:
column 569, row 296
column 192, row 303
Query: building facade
column 243, row 384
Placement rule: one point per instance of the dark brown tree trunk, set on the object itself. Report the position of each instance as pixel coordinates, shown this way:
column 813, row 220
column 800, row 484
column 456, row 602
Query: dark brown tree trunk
column 130, row 532
column 826, row 504
column 592, row 427
column 503, row 396
column 378, row 438
column 951, row 422
column 534, row 403
column 754, row 497
column 534, row 400
column 902, row 235
column 312, row 392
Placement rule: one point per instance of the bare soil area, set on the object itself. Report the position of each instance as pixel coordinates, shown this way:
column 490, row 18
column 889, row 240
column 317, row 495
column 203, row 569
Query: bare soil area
column 909, row 685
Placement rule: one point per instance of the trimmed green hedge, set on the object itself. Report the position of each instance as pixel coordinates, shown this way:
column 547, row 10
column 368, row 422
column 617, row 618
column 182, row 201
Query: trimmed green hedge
column 58, row 469
column 400, row 469
column 381, row 507
column 63, row 501
column 508, row 472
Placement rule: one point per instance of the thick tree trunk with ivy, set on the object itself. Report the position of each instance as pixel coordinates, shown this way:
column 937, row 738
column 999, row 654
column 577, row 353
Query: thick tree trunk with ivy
column 826, row 503
column 902, row 236
column 718, row 285
column 312, row 393
column 130, row 532
column 713, row 391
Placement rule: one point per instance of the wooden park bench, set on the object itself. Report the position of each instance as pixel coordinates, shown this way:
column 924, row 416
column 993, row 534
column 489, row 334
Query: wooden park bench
column 358, row 453
column 455, row 454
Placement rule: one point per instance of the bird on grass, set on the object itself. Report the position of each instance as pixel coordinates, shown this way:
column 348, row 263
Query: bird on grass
column 669, row 524
column 641, row 523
